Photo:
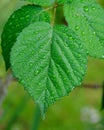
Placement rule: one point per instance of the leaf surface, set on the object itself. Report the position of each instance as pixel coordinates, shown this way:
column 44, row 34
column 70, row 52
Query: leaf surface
column 86, row 17
column 18, row 21
column 49, row 61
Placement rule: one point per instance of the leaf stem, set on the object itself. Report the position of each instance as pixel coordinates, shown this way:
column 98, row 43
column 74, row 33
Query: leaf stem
column 37, row 118
column 54, row 15
column 54, row 7
column 49, row 8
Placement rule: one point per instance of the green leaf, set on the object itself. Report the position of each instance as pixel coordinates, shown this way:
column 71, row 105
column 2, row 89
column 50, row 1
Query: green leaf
column 47, row 2
column 86, row 17
column 42, row 2
column 18, row 21
column 49, row 61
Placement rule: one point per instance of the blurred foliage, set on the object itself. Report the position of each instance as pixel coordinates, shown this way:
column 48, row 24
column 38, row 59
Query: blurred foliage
column 18, row 110
column 8, row 6
column 101, row 2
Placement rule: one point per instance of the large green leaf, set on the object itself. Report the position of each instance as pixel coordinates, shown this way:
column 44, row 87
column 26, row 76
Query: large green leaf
column 48, row 61
column 86, row 17
column 18, row 21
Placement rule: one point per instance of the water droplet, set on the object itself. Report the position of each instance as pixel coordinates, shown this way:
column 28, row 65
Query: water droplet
column 21, row 18
column 65, row 79
column 32, row 52
column 85, row 8
column 39, row 84
column 30, row 64
column 70, row 37
column 22, row 81
column 27, row 16
column 94, row 33
column 79, row 56
column 13, row 15
column 17, row 25
column 93, row 8
column 83, row 33
column 10, row 23
column 36, row 72
column 76, row 27
column 53, row 93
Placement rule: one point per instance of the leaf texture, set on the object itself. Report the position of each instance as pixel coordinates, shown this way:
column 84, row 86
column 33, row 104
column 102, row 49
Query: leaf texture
column 49, row 61
column 86, row 17
column 18, row 21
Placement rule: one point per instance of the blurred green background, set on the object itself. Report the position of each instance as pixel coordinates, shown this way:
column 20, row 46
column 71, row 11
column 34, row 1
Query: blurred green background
column 78, row 111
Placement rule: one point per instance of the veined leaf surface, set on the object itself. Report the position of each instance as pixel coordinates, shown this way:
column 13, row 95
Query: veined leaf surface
column 48, row 61
column 86, row 18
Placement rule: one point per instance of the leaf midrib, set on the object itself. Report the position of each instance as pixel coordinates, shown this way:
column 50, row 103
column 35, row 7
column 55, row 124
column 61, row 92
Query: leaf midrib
column 50, row 41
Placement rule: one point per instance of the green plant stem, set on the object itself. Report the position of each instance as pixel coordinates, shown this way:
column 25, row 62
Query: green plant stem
column 54, row 16
column 54, row 13
column 36, row 119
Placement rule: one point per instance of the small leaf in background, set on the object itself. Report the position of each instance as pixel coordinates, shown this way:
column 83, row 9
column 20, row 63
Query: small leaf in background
column 47, row 2
column 42, row 2
column 49, row 61
column 18, row 21
column 86, row 18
